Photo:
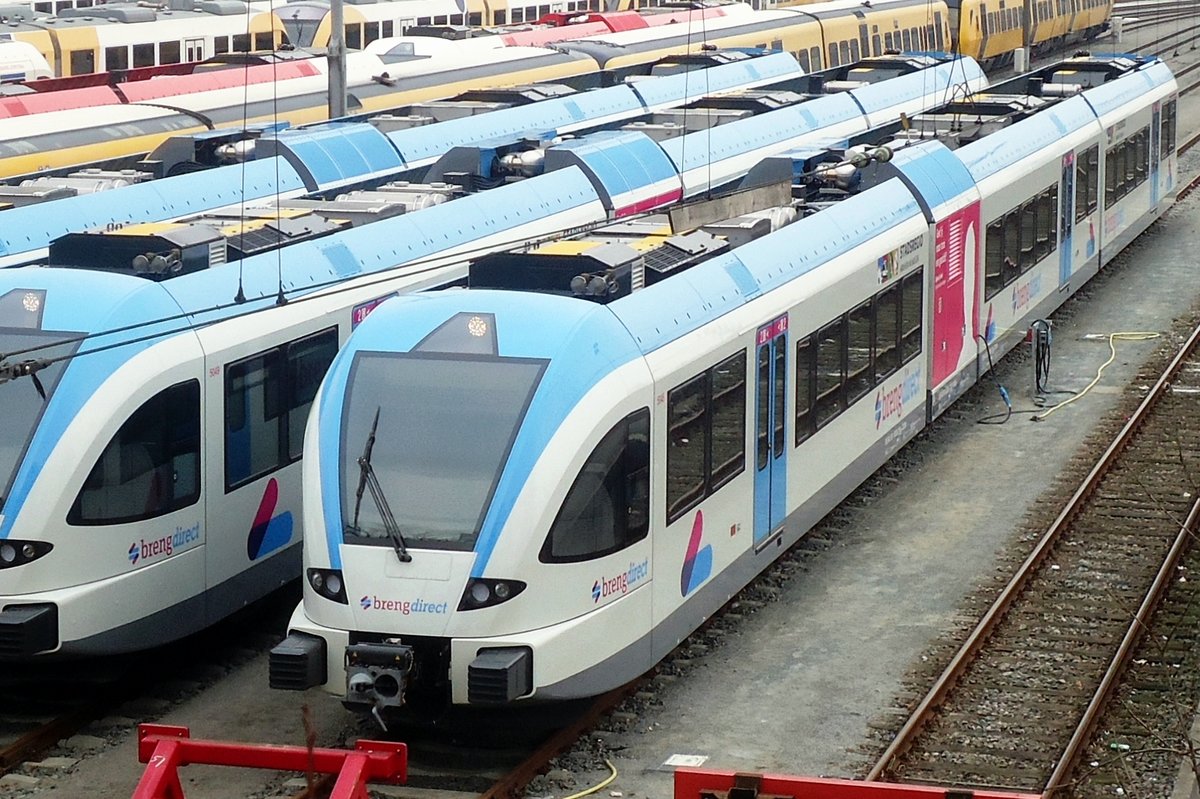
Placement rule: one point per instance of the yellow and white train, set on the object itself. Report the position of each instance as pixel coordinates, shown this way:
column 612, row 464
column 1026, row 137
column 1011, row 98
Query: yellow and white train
column 116, row 36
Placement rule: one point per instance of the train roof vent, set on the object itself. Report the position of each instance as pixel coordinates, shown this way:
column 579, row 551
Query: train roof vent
column 181, row 5
column 600, row 273
column 276, row 233
column 17, row 196
column 681, row 251
column 222, row 8
column 755, row 102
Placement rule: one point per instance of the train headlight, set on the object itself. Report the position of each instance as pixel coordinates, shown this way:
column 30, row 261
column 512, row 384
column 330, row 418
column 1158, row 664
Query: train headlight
column 18, row 553
column 328, row 584
column 483, row 592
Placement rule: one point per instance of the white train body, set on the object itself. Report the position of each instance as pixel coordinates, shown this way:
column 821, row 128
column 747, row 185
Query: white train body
column 142, row 501
column 577, row 485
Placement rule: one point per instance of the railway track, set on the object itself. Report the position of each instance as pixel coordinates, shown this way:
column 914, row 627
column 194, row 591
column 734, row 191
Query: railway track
column 1018, row 703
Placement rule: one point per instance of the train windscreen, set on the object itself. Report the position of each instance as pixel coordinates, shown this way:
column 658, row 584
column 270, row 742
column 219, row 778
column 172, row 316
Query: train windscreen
column 425, row 437
column 25, row 398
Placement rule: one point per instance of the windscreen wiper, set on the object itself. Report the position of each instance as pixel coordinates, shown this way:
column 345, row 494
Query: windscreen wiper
column 368, row 480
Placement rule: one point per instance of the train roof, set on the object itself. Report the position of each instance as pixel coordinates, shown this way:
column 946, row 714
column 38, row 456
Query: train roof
column 325, row 156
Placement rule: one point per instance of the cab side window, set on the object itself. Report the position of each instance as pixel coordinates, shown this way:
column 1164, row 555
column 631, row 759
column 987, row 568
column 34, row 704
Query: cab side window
column 608, row 506
column 152, row 465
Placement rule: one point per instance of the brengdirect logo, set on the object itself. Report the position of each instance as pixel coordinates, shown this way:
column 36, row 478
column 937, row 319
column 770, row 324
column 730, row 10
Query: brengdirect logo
column 269, row 532
column 405, row 607
column 614, row 586
column 891, row 403
column 165, row 546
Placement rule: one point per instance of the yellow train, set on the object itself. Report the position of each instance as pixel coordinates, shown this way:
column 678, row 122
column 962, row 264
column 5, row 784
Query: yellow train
column 990, row 30
column 117, row 36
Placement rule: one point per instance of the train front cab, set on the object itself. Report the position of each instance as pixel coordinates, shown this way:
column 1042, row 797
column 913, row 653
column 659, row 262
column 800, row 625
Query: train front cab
column 523, row 515
column 112, row 484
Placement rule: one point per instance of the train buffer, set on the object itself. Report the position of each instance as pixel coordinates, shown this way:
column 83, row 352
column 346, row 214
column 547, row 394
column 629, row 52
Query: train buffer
column 164, row 748
column 698, row 783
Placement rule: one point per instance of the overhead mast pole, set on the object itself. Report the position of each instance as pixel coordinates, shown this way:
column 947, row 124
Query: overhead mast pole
column 336, row 54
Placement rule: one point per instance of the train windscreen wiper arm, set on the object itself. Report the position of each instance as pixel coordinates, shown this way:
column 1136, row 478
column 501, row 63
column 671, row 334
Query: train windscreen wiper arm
column 367, row 479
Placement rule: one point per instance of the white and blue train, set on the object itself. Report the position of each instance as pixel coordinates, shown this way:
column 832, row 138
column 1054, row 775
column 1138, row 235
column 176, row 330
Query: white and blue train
column 151, row 461
column 532, row 490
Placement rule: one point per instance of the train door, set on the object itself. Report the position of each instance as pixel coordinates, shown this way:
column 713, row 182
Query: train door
column 1155, row 152
column 1066, row 217
column 193, row 49
column 770, row 454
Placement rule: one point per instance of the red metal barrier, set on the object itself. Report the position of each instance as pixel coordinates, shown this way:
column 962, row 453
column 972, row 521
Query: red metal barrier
column 164, row 748
column 694, row 783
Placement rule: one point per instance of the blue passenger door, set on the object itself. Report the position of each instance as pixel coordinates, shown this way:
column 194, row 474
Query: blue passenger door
column 1066, row 218
column 770, row 451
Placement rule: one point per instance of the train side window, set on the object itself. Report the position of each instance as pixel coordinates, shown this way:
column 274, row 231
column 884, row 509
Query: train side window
column 388, row 27
column 143, row 55
column 802, row 57
column 1082, row 178
column 518, row 15
column 814, row 56
column 887, row 40
column 252, row 412
column 151, row 466
column 608, row 506
column 1093, row 195
column 1141, row 159
column 906, row 39
column 499, row 15
column 168, row 53
column 1028, row 233
column 1012, row 245
column 687, row 427
column 831, row 371
column 267, row 397
column 854, row 51
column 220, row 45
column 83, row 62
column 728, row 419
column 876, row 44
column 1167, row 137
column 993, row 279
column 475, row 19
column 116, row 58
column 264, row 40
column 1110, row 177
column 860, row 361
column 307, row 361
column 241, row 43
column 805, row 383
column 833, row 55
column 779, row 346
column 911, row 314
column 887, row 332
column 354, row 36
column 370, row 32
column 1047, row 205
column 424, row 20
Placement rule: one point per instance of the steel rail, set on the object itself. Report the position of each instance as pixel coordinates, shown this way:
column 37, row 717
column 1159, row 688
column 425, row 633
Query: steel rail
column 950, row 676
